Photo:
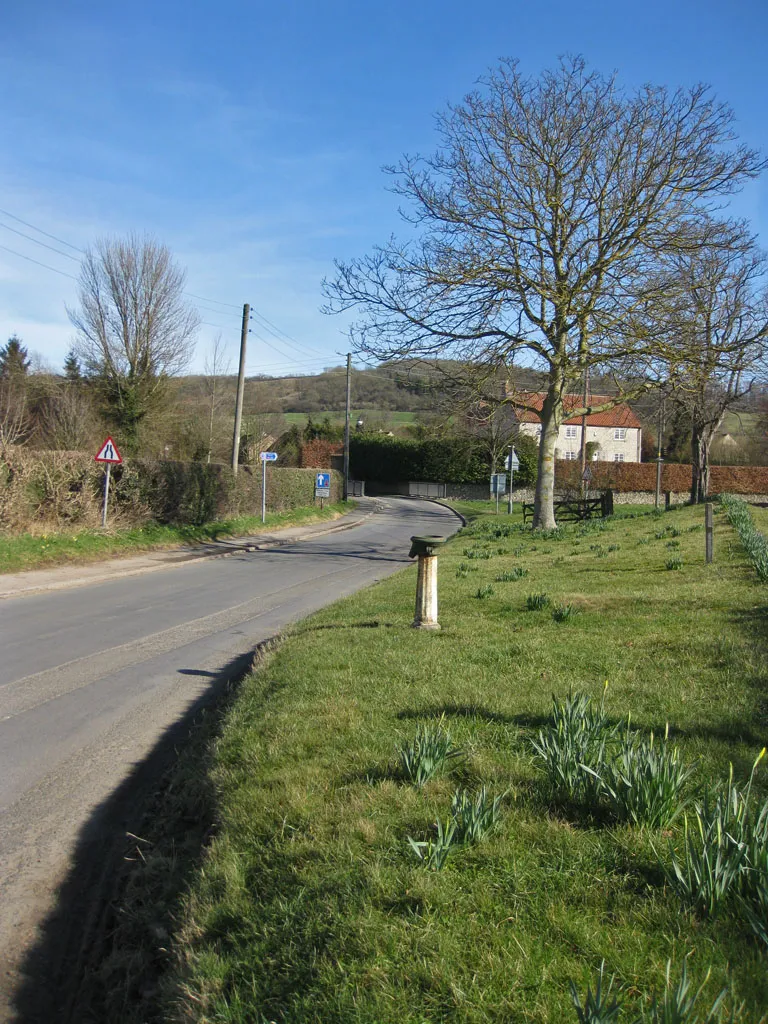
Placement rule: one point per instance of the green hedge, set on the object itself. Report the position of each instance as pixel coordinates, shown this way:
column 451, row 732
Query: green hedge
column 456, row 460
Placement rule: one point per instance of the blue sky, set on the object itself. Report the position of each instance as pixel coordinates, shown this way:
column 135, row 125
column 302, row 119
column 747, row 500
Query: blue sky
column 249, row 137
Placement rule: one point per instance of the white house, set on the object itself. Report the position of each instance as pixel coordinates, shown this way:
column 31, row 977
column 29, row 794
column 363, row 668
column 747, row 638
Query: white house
column 617, row 432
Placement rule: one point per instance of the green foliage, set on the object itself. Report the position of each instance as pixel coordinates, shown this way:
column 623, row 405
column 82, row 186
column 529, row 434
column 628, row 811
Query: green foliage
column 433, row 853
column 517, row 572
column 674, row 563
column 563, row 612
column 13, row 359
column 600, row 1006
column 537, row 602
column 755, row 544
column 573, row 750
column 725, row 850
column 425, row 755
column 458, row 460
column 475, row 814
column 485, row 591
column 645, row 781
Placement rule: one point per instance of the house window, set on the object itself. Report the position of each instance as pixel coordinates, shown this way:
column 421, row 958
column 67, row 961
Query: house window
column 618, row 456
column 620, row 434
column 570, row 456
column 570, row 431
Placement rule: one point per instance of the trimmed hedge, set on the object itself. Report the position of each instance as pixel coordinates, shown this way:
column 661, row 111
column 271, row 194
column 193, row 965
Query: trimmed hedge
column 456, row 460
column 641, row 476
column 65, row 489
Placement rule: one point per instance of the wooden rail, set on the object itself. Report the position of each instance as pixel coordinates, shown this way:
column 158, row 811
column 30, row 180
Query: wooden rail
column 575, row 510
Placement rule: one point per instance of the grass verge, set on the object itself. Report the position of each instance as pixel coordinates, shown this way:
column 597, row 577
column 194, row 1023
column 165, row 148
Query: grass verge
column 28, row 551
column 311, row 905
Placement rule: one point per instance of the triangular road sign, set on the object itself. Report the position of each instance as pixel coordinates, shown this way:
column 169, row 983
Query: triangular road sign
column 109, row 453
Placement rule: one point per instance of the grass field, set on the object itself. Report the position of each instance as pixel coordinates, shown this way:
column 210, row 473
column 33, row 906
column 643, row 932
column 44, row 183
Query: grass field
column 38, row 551
column 311, row 905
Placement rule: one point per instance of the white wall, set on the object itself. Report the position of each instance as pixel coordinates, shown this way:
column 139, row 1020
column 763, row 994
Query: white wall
column 609, row 446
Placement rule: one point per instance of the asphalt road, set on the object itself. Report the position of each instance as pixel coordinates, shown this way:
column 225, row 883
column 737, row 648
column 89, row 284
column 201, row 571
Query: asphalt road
column 92, row 677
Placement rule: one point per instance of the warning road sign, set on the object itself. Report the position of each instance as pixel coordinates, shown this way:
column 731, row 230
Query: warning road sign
column 109, row 453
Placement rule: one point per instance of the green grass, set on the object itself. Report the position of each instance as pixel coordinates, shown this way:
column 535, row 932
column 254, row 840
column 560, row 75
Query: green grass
column 28, row 551
column 309, row 906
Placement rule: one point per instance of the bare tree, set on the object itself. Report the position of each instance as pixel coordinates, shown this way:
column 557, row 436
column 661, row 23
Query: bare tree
column 534, row 226
column 14, row 415
column 134, row 327
column 217, row 365
column 716, row 326
column 66, row 418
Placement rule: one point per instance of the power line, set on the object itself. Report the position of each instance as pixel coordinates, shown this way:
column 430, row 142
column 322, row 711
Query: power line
column 70, row 276
column 37, row 242
column 203, row 298
column 40, row 231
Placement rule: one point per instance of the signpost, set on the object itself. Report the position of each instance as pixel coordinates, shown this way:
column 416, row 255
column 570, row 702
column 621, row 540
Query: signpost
column 586, row 477
column 108, row 454
column 265, row 457
column 512, row 463
column 498, row 486
column 322, row 486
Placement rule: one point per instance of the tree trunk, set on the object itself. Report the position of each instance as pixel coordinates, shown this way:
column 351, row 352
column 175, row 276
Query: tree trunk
column 701, row 442
column 551, row 416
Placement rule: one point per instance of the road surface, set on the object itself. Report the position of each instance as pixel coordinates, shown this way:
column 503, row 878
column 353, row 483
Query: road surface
column 92, row 677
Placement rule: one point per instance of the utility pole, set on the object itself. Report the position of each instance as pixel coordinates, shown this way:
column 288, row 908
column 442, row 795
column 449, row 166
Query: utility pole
column 240, row 389
column 346, row 427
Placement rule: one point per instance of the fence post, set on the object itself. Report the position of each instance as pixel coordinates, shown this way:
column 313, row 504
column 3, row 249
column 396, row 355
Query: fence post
column 667, row 500
column 709, row 530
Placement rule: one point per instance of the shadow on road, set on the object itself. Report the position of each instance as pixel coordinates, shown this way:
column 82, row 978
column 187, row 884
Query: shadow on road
column 104, row 947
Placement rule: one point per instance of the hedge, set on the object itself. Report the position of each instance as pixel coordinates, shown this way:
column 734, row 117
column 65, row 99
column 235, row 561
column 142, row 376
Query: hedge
column 457, row 460
column 64, row 489
column 641, row 476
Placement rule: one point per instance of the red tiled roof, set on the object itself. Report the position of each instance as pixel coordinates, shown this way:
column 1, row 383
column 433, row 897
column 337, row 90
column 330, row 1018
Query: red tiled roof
column 619, row 416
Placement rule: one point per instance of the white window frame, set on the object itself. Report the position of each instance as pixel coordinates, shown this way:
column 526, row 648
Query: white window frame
column 618, row 456
column 571, row 456
column 619, row 433
column 571, row 432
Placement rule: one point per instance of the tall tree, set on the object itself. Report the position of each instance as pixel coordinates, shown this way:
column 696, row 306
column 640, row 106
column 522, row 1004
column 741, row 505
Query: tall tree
column 533, row 226
column 13, row 359
column 135, row 329
column 717, row 333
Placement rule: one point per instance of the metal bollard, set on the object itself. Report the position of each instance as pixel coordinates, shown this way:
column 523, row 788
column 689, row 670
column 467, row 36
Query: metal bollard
column 426, row 585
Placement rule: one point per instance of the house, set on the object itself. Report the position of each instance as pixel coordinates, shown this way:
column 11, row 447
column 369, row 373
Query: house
column 616, row 433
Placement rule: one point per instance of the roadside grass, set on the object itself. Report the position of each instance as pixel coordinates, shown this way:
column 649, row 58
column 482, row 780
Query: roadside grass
column 28, row 551
column 310, row 905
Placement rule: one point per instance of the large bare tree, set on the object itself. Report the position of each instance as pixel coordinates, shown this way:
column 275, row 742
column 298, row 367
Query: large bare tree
column 134, row 326
column 534, row 227
column 714, row 312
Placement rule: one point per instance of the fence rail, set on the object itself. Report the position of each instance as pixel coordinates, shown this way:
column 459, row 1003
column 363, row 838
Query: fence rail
column 575, row 510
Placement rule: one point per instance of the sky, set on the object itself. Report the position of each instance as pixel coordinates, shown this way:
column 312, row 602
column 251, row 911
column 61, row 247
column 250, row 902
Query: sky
column 250, row 137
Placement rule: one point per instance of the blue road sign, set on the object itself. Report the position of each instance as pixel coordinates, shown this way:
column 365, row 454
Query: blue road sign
column 268, row 456
column 323, row 480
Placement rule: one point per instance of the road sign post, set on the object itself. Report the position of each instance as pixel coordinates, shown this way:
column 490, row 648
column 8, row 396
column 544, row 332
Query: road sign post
column 109, row 455
column 512, row 463
column 322, row 486
column 265, row 458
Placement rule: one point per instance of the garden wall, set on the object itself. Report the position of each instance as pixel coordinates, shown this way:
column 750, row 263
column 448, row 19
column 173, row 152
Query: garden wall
column 60, row 490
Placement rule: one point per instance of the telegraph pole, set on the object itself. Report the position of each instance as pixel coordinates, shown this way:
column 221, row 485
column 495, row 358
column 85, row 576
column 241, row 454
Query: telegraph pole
column 240, row 389
column 346, row 427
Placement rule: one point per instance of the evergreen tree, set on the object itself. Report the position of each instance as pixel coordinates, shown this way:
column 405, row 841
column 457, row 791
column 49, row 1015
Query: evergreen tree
column 13, row 359
column 72, row 369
